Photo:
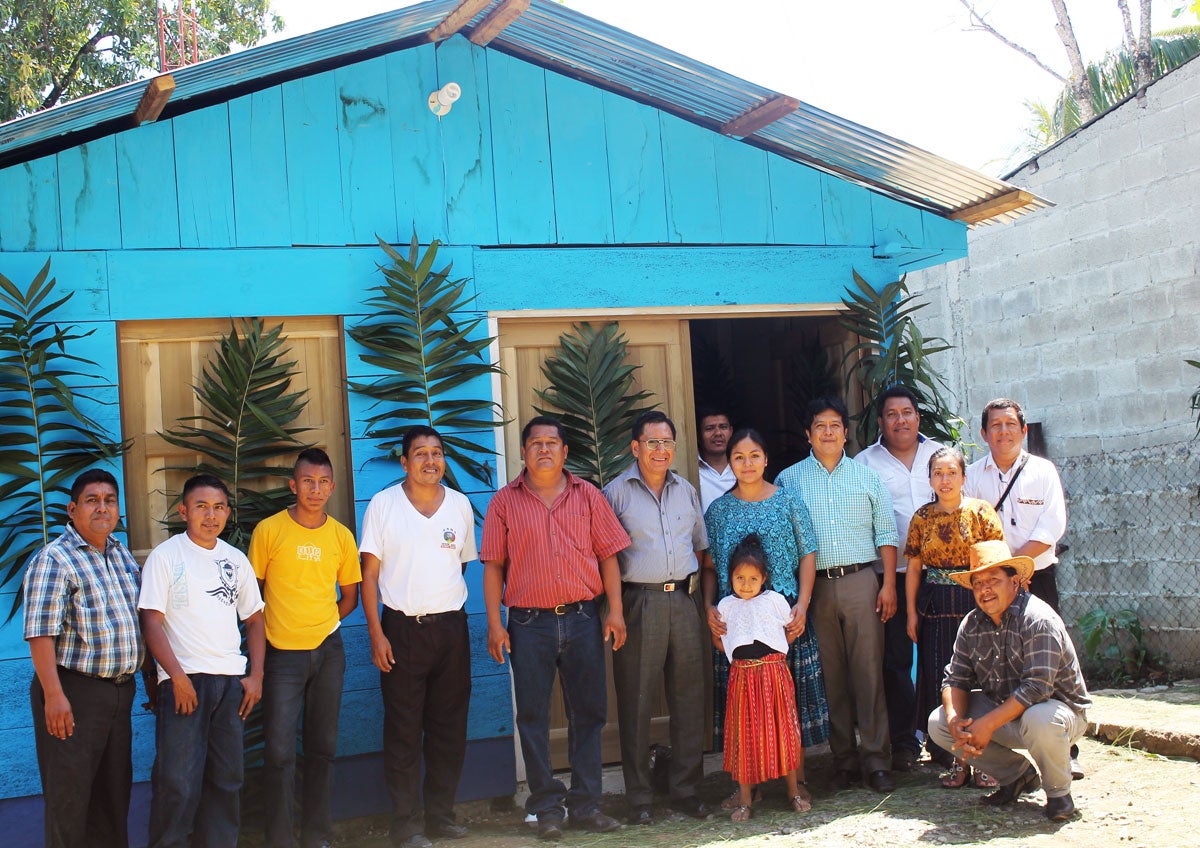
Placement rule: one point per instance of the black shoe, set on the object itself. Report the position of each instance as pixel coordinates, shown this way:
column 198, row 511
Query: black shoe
column 903, row 760
column 550, row 829
column 1077, row 772
column 416, row 840
column 595, row 822
column 881, row 781
column 1028, row 781
column 843, row 779
column 641, row 815
column 692, row 806
column 1060, row 809
column 447, row 830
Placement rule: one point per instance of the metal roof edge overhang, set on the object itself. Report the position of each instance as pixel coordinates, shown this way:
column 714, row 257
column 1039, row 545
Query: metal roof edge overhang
column 557, row 38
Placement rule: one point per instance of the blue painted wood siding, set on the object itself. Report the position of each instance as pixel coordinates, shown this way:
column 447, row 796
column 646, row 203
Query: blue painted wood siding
column 548, row 192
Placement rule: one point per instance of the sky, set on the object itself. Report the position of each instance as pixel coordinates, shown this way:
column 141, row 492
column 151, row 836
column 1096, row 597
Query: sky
column 910, row 68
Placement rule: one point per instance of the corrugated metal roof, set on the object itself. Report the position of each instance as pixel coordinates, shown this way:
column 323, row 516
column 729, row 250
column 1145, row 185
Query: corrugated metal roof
column 561, row 39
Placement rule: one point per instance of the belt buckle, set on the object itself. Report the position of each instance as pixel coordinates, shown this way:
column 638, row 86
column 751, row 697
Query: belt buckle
column 419, row 618
column 561, row 609
column 669, row 586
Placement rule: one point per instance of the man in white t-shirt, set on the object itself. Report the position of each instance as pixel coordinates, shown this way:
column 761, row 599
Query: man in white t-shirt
column 417, row 538
column 195, row 587
column 716, row 477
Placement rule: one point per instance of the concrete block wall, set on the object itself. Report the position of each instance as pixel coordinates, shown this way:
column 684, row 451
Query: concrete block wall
column 1085, row 313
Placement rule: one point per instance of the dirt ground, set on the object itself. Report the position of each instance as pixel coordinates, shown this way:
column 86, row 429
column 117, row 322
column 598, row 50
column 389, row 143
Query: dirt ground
column 1129, row 798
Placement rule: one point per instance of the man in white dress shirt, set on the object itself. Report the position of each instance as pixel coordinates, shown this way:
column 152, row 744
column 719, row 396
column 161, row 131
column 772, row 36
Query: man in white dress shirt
column 417, row 538
column 716, row 477
column 1028, row 497
column 901, row 459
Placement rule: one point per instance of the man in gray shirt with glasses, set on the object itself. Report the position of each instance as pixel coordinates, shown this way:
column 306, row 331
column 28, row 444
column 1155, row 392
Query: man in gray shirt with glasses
column 665, row 641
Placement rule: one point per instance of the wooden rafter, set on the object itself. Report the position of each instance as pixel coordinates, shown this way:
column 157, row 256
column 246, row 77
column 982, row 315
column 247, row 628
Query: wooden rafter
column 767, row 112
column 154, row 99
column 993, row 207
column 458, row 18
column 497, row 20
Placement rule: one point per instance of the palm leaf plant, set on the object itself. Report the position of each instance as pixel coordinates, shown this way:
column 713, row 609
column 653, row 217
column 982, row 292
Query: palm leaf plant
column 247, row 423
column 590, row 389
column 246, row 435
column 891, row 349
column 46, row 440
column 417, row 335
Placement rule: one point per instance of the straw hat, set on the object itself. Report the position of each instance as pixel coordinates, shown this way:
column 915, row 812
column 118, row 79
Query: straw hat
column 993, row 554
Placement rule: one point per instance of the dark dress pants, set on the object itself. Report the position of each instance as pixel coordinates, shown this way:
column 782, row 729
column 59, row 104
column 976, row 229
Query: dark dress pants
column 425, row 700
column 86, row 778
column 898, row 688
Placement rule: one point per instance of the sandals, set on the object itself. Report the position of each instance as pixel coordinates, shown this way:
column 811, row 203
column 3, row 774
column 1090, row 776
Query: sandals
column 957, row 776
column 741, row 813
column 732, row 802
column 800, row 804
column 985, row 781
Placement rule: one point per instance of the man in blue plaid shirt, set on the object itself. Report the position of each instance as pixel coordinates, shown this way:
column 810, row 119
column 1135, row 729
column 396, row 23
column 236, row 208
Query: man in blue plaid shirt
column 81, row 623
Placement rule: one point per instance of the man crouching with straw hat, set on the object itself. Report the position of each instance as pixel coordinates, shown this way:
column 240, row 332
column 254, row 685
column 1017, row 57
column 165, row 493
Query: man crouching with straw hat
column 1013, row 682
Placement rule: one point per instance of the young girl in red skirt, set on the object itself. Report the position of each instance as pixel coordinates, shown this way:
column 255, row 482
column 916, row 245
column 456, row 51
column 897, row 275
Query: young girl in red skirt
column 762, row 733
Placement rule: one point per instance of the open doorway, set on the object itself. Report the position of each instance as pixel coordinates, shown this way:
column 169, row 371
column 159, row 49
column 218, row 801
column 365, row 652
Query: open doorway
column 765, row 370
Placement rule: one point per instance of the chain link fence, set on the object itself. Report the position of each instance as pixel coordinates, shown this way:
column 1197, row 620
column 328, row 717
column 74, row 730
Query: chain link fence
column 1133, row 543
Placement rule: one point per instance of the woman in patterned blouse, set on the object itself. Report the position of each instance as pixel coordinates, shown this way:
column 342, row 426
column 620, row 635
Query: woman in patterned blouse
column 939, row 541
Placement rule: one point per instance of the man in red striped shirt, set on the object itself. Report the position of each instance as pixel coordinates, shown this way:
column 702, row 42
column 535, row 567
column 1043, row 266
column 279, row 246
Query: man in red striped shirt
column 550, row 544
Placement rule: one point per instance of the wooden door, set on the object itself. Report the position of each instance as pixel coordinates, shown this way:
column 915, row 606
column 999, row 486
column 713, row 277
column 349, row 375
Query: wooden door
column 662, row 347
column 160, row 362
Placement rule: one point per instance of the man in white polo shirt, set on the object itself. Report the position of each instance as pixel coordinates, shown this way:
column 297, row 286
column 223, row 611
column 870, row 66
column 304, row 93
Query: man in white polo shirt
column 901, row 459
column 417, row 538
column 1027, row 495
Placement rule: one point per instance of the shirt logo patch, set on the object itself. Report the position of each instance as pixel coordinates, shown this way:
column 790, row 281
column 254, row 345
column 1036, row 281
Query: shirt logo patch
column 310, row 553
column 179, row 586
column 226, row 593
column 448, row 538
column 1031, row 501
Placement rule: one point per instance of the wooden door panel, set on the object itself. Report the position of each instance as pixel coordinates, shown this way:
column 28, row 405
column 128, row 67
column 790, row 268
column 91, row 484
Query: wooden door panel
column 662, row 347
column 160, row 362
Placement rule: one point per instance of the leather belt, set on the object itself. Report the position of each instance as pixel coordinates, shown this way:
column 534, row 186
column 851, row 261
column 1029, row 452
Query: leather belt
column 837, row 571
column 427, row 617
column 119, row 680
column 683, row 585
column 560, row 609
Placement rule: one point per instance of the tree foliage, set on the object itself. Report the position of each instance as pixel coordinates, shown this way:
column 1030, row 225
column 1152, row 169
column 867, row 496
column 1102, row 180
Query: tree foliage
column 58, row 50
column 891, row 349
column 46, row 440
column 417, row 337
column 1110, row 81
column 591, row 390
column 247, row 424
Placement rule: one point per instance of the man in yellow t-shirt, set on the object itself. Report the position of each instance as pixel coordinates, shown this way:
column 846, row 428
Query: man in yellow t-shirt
column 302, row 557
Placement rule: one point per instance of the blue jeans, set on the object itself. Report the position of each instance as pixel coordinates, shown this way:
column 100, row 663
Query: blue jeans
column 197, row 776
column 572, row 646
column 291, row 680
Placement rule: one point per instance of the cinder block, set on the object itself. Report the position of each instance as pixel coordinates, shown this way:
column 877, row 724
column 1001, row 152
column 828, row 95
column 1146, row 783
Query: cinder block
column 1118, row 136
column 1143, row 168
column 1159, row 125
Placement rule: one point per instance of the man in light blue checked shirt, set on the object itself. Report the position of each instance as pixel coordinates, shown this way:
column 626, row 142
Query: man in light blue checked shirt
column 852, row 516
column 81, row 623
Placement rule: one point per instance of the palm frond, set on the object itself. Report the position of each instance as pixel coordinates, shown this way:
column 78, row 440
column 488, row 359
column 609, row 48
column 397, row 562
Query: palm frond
column 891, row 349
column 247, row 424
column 591, row 391
column 47, row 439
column 423, row 336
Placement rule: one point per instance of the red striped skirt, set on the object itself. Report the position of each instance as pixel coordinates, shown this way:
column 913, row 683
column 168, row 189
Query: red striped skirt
column 762, row 733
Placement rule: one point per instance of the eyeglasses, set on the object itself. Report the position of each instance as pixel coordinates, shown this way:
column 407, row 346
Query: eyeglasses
column 659, row 444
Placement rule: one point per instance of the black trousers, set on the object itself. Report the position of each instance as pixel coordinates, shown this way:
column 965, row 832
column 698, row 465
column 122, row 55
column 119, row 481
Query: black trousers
column 898, row 689
column 425, row 700
column 86, row 778
column 1044, row 585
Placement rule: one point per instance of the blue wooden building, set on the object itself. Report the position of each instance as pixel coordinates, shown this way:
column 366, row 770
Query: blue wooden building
column 583, row 174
